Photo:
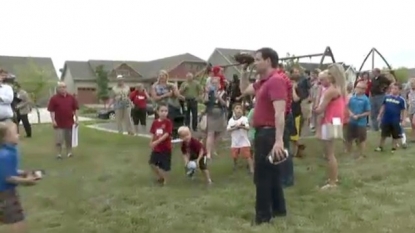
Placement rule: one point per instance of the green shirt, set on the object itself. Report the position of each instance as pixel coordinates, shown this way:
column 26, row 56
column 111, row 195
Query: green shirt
column 190, row 89
column 251, row 132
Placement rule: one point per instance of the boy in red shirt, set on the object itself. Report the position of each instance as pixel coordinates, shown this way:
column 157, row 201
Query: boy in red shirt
column 193, row 150
column 160, row 158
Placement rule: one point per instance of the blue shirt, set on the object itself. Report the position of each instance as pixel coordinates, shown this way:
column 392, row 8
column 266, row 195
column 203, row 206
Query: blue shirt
column 359, row 104
column 393, row 105
column 9, row 164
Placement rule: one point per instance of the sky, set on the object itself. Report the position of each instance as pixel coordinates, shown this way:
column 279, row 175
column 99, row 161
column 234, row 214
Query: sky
column 145, row 30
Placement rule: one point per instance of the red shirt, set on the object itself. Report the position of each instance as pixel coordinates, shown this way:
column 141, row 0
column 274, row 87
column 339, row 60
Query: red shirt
column 139, row 98
column 193, row 148
column 64, row 107
column 158, row 129
column 277, row 86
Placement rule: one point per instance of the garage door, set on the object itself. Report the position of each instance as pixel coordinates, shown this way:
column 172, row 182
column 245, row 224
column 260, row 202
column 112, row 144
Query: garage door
column 87, row 96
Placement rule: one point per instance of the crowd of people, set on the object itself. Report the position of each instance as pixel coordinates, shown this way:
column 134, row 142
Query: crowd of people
column 267, row 138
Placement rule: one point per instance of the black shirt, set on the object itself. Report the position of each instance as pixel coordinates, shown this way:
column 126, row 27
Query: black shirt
column 296, row 105
column 379, row 85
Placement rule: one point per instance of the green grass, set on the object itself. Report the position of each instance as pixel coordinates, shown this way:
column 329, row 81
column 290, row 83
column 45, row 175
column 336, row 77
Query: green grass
column 108, row 188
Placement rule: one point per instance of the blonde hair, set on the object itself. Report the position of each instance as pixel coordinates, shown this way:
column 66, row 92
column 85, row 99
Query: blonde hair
column 163, row 72
column 337, row 76
column 183, row 130
column 5, row 127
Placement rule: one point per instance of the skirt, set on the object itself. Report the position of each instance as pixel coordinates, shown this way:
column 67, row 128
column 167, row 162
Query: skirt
column 11, row 210
column 216, row 121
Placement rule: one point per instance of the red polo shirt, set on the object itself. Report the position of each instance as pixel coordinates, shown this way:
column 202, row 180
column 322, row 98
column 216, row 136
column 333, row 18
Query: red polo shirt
column 193, row 148
column 158, row 129
column 139, row 98
column 64, row 107
column 277, row 86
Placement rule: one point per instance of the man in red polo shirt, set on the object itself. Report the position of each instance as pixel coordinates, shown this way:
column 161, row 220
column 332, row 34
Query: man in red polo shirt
column 63, row 108
column 273, row 93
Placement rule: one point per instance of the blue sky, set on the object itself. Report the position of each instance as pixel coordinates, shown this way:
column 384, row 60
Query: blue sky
column 145, row 30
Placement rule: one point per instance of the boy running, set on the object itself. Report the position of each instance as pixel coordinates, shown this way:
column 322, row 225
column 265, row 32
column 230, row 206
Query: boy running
column 160, row 158
column 358, row 108
column 193, row 150
column 238, row 126
column 392, row 114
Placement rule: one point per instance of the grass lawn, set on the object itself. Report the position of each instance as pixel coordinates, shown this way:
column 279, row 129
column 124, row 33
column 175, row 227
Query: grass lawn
column 108, row 188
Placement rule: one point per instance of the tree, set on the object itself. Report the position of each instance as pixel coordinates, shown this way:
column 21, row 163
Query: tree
column 102, row 82
column 37, row 81
column 292, row 63
column 401, row 74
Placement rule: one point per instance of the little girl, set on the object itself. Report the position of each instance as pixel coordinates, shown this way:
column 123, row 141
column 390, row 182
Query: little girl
column 11, row 212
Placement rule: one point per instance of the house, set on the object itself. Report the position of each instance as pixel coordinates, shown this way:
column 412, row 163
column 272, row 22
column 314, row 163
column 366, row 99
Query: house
column 24, row 69
column 80, row 76
column 224, row 57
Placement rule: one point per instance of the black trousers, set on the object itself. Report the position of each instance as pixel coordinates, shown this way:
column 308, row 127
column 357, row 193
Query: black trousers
column 191, row 109
column 270, row 200
column 25, row 121
column 139, row 116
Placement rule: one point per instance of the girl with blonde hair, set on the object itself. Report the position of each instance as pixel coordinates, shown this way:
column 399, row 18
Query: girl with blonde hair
column 331, row 115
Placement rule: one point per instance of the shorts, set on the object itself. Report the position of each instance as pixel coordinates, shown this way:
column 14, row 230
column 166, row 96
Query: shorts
column 202, row 163
column 391, row 129
column 161, row 160
column 63, row 136
column 139, row 116
column 11, row 210
column 355, row 132
column 245, row 152
column 297, row 124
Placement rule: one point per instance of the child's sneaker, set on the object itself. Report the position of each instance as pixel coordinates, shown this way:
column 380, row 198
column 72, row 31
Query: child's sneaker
column 379, row 149
column 393, row 150
column 404, row 146
column 59, row 156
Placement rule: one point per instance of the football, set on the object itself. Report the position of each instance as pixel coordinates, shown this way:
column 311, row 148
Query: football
column 191, row 165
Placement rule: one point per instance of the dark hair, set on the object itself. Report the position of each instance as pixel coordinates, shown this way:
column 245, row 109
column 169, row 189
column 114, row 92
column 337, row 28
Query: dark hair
column 235, row 78
column 398, row 85
column 272, row 55
column 365, row 73
column 236, row 105
column 160, row 106
column 307, row 72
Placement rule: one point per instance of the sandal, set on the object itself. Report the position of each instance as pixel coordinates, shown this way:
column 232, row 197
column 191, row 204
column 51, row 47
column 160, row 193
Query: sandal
column 328, row 186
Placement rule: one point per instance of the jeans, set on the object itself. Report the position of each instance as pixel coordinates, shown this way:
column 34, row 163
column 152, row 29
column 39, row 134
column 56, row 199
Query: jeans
column 287, row 167
column 270, row 200
column 376, row 102
column 191, row 109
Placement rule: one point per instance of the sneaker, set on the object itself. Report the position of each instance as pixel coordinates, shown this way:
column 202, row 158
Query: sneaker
column 393, row 150
column 379, row 149
column 59, row 156
column 70, row 155
column 404, row 146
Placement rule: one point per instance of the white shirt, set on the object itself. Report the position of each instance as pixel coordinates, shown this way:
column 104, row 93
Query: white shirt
column 6, row 98
column 239, row 137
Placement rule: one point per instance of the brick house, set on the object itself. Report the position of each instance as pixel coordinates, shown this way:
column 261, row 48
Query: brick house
column 81, row 78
